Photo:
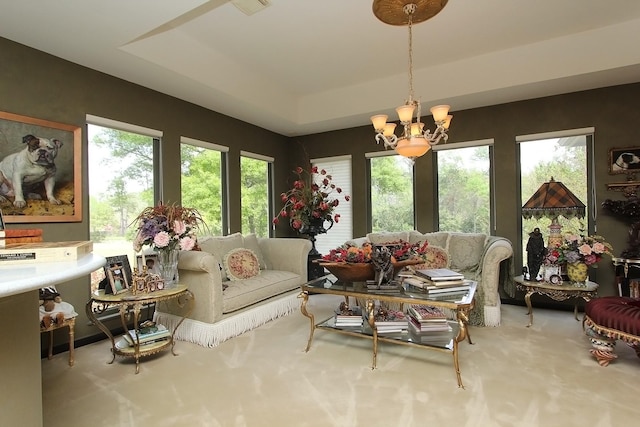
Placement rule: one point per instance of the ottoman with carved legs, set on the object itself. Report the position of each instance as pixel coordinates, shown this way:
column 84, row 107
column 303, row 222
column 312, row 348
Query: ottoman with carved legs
column 612, row 318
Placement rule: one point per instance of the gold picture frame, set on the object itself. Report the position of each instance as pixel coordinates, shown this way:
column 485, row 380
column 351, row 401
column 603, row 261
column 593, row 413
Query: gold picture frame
column 15, row 132
column 117, row 279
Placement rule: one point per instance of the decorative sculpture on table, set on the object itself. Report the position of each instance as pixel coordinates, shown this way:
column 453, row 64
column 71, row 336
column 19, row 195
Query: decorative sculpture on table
column 536, row 251
column 383, row 265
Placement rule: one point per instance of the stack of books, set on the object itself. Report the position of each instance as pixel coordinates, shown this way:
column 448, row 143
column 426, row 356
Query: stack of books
column 351, row 317
column 20, row 235
column 390, row 321
column 439, row 283
column 425, row 319
column 146, row 336
column 393, row 286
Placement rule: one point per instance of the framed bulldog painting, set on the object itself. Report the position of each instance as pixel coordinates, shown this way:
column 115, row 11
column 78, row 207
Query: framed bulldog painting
column 624, row 160
column 40, row 170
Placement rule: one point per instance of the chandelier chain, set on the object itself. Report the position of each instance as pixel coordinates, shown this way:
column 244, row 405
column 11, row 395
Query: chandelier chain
column 410, row 13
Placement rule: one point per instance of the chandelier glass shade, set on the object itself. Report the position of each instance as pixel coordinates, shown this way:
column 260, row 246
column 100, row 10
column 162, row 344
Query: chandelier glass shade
column 414, row 141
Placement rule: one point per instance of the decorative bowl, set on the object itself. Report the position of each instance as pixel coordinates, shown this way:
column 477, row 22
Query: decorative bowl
column 362, row 271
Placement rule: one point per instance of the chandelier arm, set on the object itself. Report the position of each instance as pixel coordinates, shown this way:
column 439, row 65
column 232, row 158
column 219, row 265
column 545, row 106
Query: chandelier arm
column 440, row 133
column 389, row 142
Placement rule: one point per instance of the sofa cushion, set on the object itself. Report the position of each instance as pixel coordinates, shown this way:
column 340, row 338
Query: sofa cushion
column 241, row 263
column 219, row 246
column 466, row 250
column 434, row 257
column 251, row 242
column 388, row 237
column 243, row 293
column 438, row 238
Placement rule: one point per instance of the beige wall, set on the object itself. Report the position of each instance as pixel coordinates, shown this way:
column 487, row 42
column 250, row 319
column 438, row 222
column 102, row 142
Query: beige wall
column 35, row 84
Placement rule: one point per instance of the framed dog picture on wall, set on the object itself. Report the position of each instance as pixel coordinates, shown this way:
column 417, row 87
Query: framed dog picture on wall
column 40, row 170
column 624, row 160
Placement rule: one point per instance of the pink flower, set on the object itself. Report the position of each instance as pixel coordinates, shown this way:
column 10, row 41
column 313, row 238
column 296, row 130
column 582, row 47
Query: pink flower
column 599, row 248
column 179, row 227
column 162, row 239
column 584, row 249
column 590, row 259
column 187, row 243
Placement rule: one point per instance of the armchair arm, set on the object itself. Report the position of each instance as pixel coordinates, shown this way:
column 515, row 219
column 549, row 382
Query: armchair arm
column 200, row 271
column 286, row 254
column 498, row 249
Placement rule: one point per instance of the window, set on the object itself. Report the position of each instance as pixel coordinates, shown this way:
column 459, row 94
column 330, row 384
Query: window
column 203, row 182
column 340, row 170
column 464, row 187
column 564, row 157
column 255, row 188
column 391, row 193
column 122, row 170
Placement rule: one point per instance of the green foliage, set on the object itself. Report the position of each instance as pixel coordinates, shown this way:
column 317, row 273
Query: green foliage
column 391, row 194
column 255, row 202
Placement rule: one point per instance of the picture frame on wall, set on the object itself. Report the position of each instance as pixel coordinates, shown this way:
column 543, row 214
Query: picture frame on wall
column 624, row 160
column 51, row 151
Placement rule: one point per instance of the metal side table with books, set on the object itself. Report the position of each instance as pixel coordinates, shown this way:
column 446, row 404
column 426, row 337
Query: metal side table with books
column 142, row 340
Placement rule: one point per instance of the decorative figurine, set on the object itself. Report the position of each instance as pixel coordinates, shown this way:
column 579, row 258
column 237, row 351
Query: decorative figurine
column 535, row 253
column 381, row 260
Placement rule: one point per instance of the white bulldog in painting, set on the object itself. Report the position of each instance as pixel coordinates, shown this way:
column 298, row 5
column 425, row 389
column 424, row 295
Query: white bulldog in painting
column 30, row 166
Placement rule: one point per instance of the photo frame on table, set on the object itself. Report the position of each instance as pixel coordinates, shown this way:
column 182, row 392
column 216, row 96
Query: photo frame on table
column 63, row 146
column 117, row 279
column 118, row 261
column 151, row 260
column 624, row 160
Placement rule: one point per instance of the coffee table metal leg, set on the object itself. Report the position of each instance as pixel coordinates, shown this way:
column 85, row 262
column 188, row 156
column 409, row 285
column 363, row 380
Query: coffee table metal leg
column 372, row 323
column 303, row 310
column 527, row 299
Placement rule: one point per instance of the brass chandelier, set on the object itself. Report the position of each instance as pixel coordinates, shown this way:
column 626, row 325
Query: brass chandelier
column 414, row 141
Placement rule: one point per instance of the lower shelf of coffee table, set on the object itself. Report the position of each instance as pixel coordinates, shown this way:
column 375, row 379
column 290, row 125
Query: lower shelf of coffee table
column 440, row 340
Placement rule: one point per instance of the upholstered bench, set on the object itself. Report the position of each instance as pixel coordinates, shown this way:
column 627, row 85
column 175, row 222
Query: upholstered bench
column 608, row 319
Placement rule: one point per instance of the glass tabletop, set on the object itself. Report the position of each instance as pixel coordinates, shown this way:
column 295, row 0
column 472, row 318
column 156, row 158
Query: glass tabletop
column 401, row 293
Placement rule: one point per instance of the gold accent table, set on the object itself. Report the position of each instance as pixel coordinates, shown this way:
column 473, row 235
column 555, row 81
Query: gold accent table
column 358, row 290
column 128, row 304
column 556, row 292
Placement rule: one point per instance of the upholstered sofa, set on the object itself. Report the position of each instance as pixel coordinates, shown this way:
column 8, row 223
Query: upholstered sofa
column 480, row 257
column 239, row 282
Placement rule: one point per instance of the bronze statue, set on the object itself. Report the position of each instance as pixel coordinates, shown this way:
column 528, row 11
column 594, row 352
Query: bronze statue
column 535, row 253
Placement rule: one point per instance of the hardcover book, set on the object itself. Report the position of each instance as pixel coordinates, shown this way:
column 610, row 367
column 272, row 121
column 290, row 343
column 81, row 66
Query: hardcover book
column 438, row 274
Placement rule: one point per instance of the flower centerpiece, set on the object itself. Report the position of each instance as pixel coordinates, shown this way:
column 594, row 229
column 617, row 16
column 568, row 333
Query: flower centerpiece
column 167, row 229
column 351, row 263
column 312, row 197
column 578, row 253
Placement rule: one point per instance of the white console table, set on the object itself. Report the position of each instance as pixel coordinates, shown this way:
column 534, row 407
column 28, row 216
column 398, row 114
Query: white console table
column 20, row 364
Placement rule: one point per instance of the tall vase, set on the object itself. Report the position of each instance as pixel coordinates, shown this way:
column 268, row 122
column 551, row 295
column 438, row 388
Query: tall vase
column 577, row 272
column 315, row 227
column 168, row 265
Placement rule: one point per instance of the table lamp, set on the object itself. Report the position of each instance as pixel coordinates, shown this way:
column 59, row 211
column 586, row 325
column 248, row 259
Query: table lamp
column 551, row 200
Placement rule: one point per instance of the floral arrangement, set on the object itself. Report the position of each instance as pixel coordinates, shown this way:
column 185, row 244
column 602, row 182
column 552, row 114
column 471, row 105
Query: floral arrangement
column 586, row 249
column 167, row 227
column 400, row 251
column 309, row 199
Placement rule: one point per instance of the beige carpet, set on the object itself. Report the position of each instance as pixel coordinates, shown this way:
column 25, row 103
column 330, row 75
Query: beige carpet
column 514, row 376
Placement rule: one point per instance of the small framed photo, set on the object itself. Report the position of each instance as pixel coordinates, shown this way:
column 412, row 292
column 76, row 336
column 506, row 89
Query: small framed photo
column 151, row 261
column 118, row 261
column 117, row 279
column 624, row 160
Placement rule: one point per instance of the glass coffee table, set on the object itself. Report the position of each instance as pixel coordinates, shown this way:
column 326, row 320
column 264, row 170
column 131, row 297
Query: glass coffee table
column 458, row 305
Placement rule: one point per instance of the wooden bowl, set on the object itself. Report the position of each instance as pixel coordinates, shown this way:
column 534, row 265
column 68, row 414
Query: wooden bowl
column 362, row 271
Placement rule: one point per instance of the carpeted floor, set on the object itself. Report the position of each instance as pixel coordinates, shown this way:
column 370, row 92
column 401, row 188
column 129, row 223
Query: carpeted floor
column 514, row 376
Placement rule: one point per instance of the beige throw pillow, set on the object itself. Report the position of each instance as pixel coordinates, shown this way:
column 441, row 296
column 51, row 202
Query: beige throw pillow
column 241, row 264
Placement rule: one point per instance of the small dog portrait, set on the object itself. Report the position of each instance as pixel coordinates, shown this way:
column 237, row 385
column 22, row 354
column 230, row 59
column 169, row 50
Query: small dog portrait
column 28, row 168
column 626, row 161
column 381, row 260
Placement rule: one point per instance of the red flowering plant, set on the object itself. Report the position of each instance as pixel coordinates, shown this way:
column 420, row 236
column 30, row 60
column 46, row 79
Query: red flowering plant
column 312, row 196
